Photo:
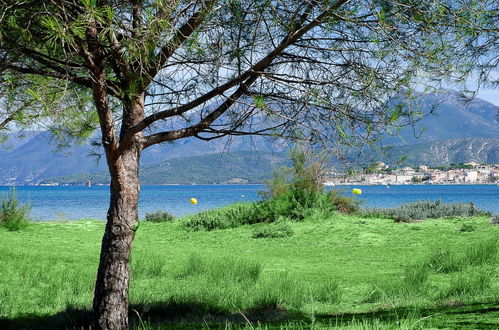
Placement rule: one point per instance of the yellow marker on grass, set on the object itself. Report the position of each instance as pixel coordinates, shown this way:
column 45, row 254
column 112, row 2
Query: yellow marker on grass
column 193, row 200
column 356, row 191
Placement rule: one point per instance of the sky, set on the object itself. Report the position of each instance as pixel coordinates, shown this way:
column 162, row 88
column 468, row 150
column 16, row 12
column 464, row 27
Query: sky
column 490, row 95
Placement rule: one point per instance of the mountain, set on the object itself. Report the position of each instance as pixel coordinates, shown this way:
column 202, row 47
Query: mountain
column 455, row 132
column 446, row 152
column 37, row 157
column 453, row 118
column 232, row 167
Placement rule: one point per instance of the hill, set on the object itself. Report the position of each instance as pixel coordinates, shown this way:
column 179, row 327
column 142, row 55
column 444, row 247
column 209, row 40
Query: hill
column 446, row 152
column 455, row 132
column 453, row 118
column 233, row 167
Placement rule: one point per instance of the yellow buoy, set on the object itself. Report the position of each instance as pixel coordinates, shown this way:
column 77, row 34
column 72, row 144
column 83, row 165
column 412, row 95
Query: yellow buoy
column 356, row 191
column 193, row 200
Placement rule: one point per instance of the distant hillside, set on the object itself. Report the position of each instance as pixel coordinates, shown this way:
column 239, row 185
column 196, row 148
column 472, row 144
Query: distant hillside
column 453, row 118
column 446, row 152
column 232, row 167
column 460, row 129
column 35, row 158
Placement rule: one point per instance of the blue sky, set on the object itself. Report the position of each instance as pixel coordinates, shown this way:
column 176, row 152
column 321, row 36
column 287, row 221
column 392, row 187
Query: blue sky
column 491, row 95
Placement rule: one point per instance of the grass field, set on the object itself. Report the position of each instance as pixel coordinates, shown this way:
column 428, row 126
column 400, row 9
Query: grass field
column 333, row 272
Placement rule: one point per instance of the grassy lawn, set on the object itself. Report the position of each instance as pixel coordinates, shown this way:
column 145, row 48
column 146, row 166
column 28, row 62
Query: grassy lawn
column 339, row 271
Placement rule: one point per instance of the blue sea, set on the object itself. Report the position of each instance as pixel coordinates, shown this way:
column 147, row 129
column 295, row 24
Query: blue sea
column 78, row 202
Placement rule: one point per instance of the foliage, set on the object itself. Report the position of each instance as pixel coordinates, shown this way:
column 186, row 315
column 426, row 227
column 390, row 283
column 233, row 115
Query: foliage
column 159, row 216
column 426, row 210
column 274, row 230
column 277, row 185
column 495, row 220
column 295, row 191
column 222, row 218
column 342, row 203
column 13, row 216
column 467, row 227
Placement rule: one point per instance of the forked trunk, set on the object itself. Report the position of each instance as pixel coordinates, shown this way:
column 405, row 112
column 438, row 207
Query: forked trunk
column 110, row 304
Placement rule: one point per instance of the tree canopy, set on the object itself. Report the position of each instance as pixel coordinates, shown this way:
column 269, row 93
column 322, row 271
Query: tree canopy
column 314, row 64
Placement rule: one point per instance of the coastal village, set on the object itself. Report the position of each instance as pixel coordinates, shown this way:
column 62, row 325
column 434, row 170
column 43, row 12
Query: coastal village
column 383, row 174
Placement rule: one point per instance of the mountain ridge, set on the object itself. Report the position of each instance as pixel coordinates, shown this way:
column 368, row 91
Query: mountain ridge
column 36, row 158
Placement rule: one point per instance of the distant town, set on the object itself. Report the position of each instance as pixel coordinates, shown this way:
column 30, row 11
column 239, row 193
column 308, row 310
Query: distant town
column 383, row 174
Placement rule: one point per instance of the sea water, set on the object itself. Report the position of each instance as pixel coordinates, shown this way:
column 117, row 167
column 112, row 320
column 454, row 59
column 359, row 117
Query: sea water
column 79, row 202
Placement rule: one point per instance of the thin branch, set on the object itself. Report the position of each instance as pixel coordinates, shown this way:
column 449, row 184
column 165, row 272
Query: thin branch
column 260, row 66
column 183, row 33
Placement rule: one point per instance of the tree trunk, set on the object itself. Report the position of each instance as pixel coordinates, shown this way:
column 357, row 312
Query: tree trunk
column 110, row 304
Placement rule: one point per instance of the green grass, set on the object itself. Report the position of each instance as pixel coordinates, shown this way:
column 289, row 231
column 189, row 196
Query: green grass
column 337, row 272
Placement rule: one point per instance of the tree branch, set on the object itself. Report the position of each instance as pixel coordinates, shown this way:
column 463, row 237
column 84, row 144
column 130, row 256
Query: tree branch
column 260, row 66
column 183, row 33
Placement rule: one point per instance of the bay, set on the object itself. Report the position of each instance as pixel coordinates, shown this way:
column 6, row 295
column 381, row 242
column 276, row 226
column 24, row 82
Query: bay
column 78, row 202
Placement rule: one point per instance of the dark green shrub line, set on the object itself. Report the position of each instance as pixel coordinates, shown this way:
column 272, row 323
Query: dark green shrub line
column 426, row 210
column 13, row 216
column 159, row 216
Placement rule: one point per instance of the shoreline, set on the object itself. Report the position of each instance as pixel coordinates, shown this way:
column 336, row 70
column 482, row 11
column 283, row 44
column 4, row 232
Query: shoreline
column 258, row 184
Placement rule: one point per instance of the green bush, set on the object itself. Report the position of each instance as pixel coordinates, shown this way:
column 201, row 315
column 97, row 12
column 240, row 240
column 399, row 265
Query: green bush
column 294, row 193
column 159, row 216
column 276, row 186
column 467, row 228
column 13, row 216
column 495, row 220
column 274, row 230
column 226, row 217
column 342, row 203
column 426, row 210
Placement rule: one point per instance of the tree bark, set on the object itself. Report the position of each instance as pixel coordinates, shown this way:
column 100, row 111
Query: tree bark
column 110, row 304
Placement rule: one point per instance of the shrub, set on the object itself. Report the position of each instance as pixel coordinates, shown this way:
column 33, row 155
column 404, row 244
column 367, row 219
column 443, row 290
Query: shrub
column 294, row 190
column 342, row 203
column 159, row 216
column 13, row 216
column 495, row 220
column 208, row 220
column 276, row 186
column 226, row 217
column 275, row 230
column 467, row 227
column 426, row 210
